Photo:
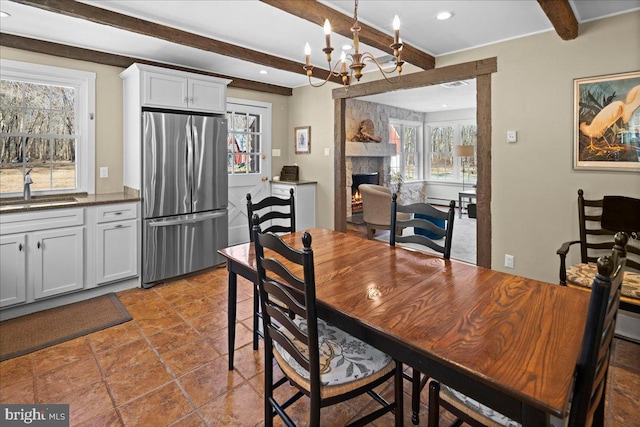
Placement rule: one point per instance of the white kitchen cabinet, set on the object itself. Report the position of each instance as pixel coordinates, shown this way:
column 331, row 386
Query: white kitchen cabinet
column 165, row 88
column 304, row 193
column 42, row 254
column 149, row 86
column 13, row 285
column 58, row 261
column 116, row 242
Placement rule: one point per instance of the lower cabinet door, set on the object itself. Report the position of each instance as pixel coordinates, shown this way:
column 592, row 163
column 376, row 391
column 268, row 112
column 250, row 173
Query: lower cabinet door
column 13, row 286
column 58, row 258
column 117, row 255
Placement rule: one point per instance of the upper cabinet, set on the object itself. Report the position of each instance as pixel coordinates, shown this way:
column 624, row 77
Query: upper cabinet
column 148, row 86
column 165, row 88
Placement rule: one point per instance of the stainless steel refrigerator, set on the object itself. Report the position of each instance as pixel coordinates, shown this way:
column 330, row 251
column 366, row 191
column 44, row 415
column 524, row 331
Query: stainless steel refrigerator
column 184, row 193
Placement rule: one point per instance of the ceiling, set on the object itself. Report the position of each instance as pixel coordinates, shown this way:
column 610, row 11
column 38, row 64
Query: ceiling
column 262, row 28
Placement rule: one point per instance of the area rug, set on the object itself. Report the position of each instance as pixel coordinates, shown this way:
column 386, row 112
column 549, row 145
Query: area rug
column 25, row 334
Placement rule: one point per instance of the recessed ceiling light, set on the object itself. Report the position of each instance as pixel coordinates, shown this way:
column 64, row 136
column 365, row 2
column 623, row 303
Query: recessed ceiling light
column 346, row 47
column 4, row 14
column 444, row 105
column 264, row 72
column 444, row 15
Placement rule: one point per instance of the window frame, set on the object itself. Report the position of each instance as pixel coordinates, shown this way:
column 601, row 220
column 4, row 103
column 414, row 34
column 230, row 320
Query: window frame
column 419, row 152
column 84, row 84
column 457, row 139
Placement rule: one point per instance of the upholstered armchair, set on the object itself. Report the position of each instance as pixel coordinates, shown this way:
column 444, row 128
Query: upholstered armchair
column 376, row 208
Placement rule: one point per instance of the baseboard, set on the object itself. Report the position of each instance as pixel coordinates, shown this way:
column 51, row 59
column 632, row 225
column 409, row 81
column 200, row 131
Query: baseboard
column 10, row 313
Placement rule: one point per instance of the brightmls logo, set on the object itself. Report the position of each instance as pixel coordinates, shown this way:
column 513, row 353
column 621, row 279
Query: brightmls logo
column 35, row 415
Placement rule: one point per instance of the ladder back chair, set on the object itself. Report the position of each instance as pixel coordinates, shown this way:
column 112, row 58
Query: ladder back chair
column 598, row 221
column 587, row 404
column 418, row 216
column 269, row 208
column 321, row 361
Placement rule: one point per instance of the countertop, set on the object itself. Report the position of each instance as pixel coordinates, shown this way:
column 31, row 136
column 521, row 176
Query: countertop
column 293, row 182
column 17, row 204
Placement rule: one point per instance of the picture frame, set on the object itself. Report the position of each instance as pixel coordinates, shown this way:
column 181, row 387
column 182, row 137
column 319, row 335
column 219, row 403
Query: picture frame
column 302, row 139
column 607, row 123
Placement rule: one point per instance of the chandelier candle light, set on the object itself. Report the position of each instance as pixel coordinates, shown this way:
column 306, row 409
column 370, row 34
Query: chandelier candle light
column 357, row 59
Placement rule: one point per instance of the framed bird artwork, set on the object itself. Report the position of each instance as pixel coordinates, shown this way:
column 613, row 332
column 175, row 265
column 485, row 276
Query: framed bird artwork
column 607, row 122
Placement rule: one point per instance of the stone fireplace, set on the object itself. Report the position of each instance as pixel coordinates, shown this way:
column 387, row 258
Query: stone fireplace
column 365, row 159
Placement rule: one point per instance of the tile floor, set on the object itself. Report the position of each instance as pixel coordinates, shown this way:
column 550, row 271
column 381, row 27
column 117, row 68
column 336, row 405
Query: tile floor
column 169, row 367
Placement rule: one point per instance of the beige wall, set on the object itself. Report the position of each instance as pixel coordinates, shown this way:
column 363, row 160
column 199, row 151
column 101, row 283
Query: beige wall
column 108, row 112
column 314, row 107
column 534, row 187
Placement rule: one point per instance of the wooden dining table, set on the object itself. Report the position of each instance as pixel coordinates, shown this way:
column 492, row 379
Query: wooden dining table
column 509, row 342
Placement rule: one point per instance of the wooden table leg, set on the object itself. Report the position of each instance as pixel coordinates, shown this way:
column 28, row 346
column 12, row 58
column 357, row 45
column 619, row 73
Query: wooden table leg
column 233, row 296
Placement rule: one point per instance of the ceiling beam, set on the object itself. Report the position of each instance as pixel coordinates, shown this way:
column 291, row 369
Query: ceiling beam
column 562, row 17
column 71, row 52
column 341, row 24
column 173, row 35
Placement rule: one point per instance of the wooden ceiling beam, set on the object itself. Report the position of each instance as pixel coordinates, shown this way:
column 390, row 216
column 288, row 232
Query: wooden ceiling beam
column 71, row 52
column 562, row 17
column 316, row 13
column 173, row 35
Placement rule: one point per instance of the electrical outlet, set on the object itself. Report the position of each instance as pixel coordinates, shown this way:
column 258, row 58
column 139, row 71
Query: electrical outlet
column 512, row 136
column 508, row 260
column 104, row 172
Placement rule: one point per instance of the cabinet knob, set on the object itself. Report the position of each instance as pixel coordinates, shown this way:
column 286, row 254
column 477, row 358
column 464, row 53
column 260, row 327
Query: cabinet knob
column 20, row 247
column 191, row 100
column 119, row 226
column 38, row 245
column 186, row 100
column 117, row 213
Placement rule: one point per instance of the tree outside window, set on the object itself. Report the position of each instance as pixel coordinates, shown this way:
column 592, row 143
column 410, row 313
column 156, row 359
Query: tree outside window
column 243, row 148
column 443, row 166
column 38, row 133
column 407, row 139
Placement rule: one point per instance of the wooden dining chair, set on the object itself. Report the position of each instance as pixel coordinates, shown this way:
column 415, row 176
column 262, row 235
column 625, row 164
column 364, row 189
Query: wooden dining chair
column 323, row 362
column 269, row 209
column 430, row 226
column 599, row 219
column 587, row 404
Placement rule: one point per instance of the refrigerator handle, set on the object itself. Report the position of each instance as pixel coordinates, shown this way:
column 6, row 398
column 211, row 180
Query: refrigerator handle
column 189, row 159
column 192, row 219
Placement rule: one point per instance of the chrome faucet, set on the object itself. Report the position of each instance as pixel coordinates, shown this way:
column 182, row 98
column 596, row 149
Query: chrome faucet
column 26, row 192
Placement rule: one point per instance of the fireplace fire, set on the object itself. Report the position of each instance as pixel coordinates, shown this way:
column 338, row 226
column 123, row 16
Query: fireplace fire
column 357, row 179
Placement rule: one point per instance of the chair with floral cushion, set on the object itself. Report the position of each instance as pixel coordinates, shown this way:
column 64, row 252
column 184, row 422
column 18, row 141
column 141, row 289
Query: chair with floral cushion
column 599, row 220
column 321, row 361
column 587, row 403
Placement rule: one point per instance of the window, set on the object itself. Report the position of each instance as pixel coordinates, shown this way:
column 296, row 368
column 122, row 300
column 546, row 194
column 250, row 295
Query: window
column 407, row 138
column 442, row 165
column 46, row 127
column 244, row 144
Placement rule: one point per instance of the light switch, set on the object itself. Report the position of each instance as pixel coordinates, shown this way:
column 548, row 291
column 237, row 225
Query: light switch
column 104, row 172
column 327, row 152
column 512, row 136
column 275, row 152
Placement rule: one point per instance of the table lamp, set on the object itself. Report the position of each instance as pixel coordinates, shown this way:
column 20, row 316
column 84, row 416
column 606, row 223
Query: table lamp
column 463, row 151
